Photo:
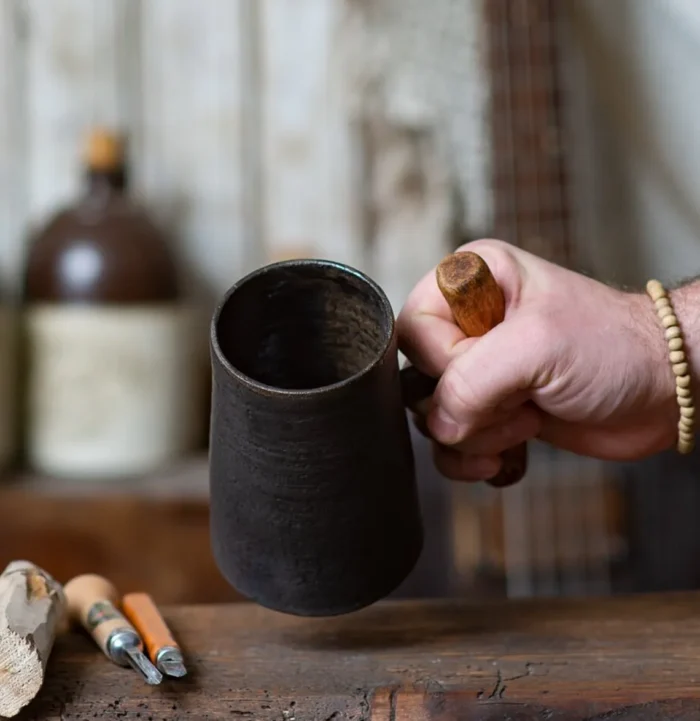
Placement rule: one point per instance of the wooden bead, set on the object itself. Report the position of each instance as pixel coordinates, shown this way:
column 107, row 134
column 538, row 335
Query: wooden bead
column 669, row 321
column 685, row 446
column 677, row 356
column 679, row 364
column 655, row 290
column 680, row 369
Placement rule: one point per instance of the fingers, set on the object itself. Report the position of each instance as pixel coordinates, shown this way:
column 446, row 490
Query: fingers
column 428, row 335
column 523, row 425
column 426, row 329
column 505, row 430
column 458, row 467
column 479, row 375
column 478, row 383
column 477, row 458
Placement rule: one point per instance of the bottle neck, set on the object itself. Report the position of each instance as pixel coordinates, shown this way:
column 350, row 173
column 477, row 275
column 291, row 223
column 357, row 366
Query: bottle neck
column 104, row 182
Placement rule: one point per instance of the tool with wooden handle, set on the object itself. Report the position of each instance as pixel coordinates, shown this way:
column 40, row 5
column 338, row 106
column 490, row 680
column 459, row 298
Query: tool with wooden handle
column 162, row 648
column 92, row 602
column 478, row 305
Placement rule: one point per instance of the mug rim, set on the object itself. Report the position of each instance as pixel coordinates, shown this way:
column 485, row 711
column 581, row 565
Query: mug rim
column 267, row 389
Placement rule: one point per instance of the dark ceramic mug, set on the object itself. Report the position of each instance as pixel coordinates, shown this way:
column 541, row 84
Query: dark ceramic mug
column 314, row 505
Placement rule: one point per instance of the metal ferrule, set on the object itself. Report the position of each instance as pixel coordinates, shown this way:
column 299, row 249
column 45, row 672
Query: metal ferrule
column 170, row 661
column 119, row 641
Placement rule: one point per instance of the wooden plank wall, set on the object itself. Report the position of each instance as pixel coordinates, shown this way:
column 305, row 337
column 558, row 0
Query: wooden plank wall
column 263, row 129
column 258, row 129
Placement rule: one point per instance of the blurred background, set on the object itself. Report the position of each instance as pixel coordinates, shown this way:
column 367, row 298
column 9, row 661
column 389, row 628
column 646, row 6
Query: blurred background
column 154, row 151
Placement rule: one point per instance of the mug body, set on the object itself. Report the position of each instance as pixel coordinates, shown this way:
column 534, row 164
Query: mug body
column 314, row 504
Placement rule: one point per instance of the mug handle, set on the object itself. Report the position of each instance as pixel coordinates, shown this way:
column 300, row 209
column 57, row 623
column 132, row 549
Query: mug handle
column 477, row 304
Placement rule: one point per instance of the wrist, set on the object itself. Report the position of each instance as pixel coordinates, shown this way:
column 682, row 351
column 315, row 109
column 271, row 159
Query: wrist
column 685, row 300
column 660, row 379
column 680, row 333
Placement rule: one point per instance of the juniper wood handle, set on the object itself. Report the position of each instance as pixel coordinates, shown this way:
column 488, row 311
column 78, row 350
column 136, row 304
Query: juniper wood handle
column 477, row 304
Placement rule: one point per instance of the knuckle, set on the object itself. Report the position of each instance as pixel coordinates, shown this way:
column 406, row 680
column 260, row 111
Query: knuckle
column 504, row 260
column 456, row 394
column 494, row 244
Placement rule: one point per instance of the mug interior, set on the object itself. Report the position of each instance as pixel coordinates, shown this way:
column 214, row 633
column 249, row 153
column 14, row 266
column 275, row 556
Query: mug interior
column 301, row 325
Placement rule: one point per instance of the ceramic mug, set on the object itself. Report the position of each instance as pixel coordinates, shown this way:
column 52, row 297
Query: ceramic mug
column 314, row 503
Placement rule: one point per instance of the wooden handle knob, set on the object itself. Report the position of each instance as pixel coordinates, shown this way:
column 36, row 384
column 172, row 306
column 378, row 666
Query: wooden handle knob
column 475, row 299
column 144, row 615
column 92, row 602
column 478, row 305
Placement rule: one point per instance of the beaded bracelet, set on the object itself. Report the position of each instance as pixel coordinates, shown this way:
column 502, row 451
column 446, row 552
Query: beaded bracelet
column 679, row 363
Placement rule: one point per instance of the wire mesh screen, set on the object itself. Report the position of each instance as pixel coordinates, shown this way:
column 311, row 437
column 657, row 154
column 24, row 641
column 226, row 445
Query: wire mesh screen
column 530, row 180
column 488, row 72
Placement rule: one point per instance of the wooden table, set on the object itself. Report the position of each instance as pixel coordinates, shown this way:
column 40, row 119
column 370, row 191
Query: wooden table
column 627, row 659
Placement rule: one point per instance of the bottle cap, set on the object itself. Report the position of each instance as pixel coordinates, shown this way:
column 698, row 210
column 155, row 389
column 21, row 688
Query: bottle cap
column 104, row 150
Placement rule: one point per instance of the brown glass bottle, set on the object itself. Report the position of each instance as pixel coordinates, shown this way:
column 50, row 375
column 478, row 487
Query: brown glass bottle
column 112, row 381
column 8, row 381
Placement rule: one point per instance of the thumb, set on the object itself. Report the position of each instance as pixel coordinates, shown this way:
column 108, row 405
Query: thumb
column 494, row 374
column 428, row 335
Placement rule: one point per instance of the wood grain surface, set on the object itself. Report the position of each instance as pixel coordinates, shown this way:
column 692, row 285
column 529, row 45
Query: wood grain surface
column 635, row 658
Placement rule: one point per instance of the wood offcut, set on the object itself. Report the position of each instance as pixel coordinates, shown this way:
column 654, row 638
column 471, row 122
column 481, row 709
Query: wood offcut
column 32, row 611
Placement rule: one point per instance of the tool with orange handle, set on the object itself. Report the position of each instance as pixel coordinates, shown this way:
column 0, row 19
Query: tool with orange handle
column 162, row 648
column 92, row 602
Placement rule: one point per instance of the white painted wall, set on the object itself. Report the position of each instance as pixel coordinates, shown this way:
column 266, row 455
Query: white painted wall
column 249, row 124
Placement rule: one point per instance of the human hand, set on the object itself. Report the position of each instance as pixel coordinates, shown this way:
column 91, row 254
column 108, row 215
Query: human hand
column 579, row 364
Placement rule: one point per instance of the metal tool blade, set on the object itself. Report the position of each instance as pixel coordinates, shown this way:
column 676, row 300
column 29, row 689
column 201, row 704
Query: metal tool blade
column 140, row 663
column 172, row 667
column 169, row 661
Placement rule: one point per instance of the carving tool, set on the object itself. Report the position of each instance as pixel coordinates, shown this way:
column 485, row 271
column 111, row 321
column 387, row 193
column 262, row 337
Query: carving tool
column 162, row 648
column 92, row 602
